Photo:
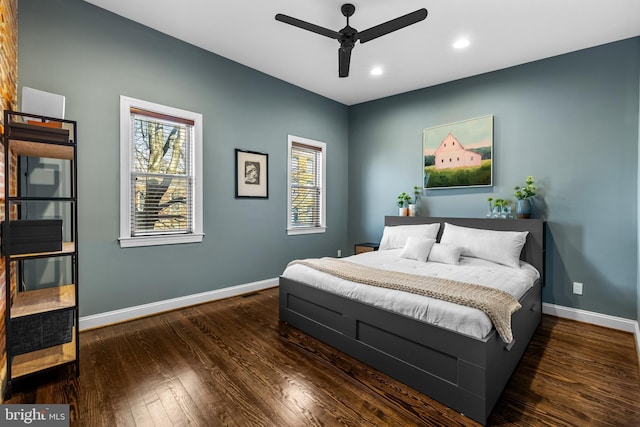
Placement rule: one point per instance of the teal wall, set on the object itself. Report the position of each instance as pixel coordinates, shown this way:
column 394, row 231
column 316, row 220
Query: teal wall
column 570, row 121
column 92, row 57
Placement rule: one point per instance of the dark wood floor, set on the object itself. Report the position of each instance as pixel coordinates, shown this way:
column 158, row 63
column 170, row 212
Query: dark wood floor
column 230, row 363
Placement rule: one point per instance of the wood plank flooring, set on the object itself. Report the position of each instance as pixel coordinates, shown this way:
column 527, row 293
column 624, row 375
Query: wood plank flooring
column 230, row 362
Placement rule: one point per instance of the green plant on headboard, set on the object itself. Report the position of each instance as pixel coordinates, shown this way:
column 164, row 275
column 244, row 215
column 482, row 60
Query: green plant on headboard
column 403, row 199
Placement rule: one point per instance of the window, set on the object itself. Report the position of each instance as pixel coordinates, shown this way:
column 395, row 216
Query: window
column 306, row 186
column 160, row 174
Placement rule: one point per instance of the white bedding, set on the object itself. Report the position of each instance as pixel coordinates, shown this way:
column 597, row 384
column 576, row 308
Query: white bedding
column 466, row 320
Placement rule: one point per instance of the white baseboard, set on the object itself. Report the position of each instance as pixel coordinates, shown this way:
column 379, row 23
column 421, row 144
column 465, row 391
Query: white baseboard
column 599, row 319
column 129, row 313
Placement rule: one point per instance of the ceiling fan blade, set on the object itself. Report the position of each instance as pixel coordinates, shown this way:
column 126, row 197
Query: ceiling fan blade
column 307, row 26
column 393, row 25
column 344, row 60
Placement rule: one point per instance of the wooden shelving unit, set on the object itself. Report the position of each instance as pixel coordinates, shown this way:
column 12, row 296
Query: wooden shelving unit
column 41, row 323
column 36, row 149
column 51, row 357
column 43, row 300
column 68, row 248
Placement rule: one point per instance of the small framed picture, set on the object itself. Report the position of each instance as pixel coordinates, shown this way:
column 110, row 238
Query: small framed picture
column 252, row 179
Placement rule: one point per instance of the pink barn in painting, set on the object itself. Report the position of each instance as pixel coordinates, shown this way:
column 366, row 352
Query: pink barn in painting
column 451, row 154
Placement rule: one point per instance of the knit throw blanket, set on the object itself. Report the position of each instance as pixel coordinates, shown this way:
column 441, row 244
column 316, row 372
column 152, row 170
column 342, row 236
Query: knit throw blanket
column 496, row 304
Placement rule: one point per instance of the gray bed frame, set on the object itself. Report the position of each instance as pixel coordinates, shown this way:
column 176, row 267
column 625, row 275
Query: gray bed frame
column 464, row 373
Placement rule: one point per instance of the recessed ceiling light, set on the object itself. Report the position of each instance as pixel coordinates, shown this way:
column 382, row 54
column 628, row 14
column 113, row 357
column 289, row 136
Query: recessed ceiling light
column 461, row 43
column 376, row 71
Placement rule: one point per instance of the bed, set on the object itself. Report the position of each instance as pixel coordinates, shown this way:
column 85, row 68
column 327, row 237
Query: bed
column 464, row 372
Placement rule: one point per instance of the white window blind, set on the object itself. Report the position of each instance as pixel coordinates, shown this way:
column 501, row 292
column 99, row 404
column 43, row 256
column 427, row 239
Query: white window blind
column 161, row 176
column 161, row 189
column 306, row 210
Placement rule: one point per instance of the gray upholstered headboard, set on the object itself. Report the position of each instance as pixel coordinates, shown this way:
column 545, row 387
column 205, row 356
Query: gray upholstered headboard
column 533, row 251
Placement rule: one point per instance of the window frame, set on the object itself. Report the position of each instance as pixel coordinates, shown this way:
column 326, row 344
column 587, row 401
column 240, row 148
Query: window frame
column 126, row 145
column 298, row 230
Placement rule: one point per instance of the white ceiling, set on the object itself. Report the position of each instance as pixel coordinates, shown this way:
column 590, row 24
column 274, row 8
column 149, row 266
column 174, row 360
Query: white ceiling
column 503, row 33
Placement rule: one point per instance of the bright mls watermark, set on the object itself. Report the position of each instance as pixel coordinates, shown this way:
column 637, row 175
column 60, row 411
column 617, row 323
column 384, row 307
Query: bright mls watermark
column 34, row 415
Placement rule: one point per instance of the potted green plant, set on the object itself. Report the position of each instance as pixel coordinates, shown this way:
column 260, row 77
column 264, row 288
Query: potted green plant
column 413, row 207
column 524, row 195
column 490, row 211
column 498, row 206
column 402, row 201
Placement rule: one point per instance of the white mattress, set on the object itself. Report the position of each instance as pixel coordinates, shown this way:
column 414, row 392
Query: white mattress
column 466, row 320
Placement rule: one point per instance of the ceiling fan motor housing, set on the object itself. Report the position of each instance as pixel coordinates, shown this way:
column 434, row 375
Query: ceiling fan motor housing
column 348, row 9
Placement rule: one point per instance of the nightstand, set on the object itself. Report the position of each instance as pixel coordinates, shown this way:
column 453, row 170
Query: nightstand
column 365, row 247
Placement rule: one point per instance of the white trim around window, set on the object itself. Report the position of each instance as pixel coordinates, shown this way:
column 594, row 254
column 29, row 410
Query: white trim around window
column 193, row 156
column 311, row 219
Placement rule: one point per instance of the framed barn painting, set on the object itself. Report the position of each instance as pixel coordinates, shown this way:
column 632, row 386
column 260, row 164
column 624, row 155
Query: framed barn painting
column 251, row 175
column 458, row 155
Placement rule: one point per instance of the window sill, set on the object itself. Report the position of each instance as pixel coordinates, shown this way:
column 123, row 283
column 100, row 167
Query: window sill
column 130, row 242
column 310, row 230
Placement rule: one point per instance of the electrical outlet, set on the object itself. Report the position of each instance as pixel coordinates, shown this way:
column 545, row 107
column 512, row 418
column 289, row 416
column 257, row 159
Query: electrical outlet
column 339, row 253
column 577, row 288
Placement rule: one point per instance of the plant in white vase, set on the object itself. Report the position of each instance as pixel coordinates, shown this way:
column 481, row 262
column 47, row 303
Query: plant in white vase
column 402, row 201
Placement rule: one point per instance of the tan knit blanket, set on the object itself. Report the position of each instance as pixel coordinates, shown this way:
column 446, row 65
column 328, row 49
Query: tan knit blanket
column 496, row 304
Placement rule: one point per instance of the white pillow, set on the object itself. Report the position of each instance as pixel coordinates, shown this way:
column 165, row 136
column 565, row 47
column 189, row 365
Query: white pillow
column 503, row 247
column 417, row 248
column 395, row 237
column 447, row 254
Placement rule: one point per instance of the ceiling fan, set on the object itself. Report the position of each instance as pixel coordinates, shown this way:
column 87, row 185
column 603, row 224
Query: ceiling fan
column 348, row 35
